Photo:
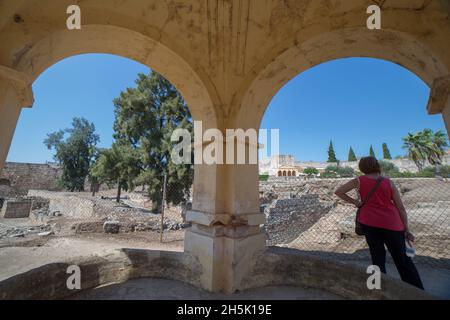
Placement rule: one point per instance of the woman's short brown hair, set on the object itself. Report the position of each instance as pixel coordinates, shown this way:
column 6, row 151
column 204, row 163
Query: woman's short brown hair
column 368, row 165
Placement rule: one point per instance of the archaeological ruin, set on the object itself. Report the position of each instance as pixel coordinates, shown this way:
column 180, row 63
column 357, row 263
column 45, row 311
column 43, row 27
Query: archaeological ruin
column 287, row 165
column 228, row 58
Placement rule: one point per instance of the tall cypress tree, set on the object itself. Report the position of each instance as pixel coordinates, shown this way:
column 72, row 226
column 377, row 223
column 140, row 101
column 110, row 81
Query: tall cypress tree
column 351, row 155
column 331, row 153
column 386, row 152
column 371, row 152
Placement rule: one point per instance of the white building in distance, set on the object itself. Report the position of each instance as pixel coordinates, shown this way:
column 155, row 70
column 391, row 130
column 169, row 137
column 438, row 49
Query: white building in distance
column 288, row 166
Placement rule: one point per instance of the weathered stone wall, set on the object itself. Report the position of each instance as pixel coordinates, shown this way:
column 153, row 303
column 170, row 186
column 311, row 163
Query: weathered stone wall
column 404, row 165
column 271, row 166
column 66, row 204
column 322, row 222
column 16, row 209
column 288, row 218
column 17, row 178
column 82, row 205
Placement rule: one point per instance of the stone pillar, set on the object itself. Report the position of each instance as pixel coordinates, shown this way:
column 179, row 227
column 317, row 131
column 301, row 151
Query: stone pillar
column 440, row 100
column 15, row 93
column 225, row 233
column 446, row 116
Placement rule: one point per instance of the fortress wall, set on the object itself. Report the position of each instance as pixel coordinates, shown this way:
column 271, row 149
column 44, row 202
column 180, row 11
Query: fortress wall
column 272, row 165
column 17, row 178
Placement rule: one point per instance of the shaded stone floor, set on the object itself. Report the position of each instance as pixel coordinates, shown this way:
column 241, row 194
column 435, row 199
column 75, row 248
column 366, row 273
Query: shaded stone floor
column 435, row 280
column 161, row 289
column 14, row 260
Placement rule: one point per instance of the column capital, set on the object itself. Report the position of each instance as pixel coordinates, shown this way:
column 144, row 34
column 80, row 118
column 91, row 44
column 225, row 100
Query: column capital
column 21, row 82
column 209, row 219
column 439, row 95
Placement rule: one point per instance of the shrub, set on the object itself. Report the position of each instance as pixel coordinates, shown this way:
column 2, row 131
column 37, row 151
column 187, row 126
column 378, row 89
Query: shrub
column 423, row 174
column 331, row 168
column 388, row 168
column 445, row 171
column 346, row 172
column 333, row 171
column 311, row 171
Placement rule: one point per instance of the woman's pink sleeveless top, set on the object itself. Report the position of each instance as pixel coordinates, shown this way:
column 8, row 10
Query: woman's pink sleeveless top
column 380, row 211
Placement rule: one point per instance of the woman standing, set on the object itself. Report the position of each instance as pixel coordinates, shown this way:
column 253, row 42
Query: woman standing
column 383, row 219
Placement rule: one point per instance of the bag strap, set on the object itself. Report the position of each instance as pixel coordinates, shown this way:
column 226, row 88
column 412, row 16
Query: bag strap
column 370, row 194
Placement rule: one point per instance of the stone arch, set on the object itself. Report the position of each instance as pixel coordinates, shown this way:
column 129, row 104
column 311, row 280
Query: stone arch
column 280, row 173
column 294, row 174
column 393, row 46
column 125, row 43
column 135, row 45
column 284, row 174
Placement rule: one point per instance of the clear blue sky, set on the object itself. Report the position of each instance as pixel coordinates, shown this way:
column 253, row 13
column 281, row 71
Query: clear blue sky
column 355, row 102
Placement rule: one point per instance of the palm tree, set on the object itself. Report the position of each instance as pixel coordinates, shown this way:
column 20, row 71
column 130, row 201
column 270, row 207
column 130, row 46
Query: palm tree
column 430, row 149
column 440, row 142
column 426, row 146
column 414, row 144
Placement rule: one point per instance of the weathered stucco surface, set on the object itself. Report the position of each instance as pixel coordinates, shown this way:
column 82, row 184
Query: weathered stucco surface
column 228, row 58
column 276, row 267
column 18, row 178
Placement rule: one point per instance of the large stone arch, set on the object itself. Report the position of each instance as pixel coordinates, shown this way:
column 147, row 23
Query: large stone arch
column 125, row 43
column 228, row 58
column 392, row 46
column 315, row 45
column 136, row 46
column 311, row 47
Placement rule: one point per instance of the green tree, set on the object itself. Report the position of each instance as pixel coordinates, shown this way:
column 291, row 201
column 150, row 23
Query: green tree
column 330, row 172
column 351, row 155
column 145, row 117
column 371, row 152
column 414, row 144
column 75, row 152
column 118, row 166
column 425, row 146
column 333, row 171
column 388, row 168
column 310, row 171
column 331, row 154
column 345, row 172
column 436, row 146
column 264, row 177
column 386, row 152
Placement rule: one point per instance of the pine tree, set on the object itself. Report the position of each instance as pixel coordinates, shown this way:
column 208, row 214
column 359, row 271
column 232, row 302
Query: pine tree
column 331, row 153
column 386, row 152
column 351, row 155
column 146, row 116
column 118, row 166
column 371, row 152
column 75, row 152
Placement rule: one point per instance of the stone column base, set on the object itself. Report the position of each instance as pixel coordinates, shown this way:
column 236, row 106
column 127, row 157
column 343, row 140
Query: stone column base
column 224, row 250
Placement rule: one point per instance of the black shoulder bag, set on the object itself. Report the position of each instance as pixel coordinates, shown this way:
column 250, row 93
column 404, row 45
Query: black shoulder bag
column 358, row 227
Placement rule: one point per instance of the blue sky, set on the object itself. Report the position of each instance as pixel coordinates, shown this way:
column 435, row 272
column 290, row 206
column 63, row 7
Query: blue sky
column 355, row 102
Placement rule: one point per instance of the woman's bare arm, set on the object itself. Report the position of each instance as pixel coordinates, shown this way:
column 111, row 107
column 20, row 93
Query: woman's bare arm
column 401, row 208
column 342, row 191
